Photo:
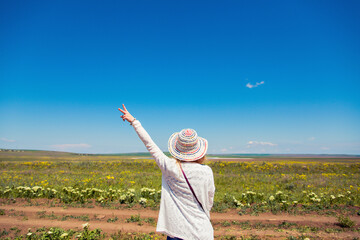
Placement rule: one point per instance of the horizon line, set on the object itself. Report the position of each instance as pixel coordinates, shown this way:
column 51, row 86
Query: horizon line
column 209, row 154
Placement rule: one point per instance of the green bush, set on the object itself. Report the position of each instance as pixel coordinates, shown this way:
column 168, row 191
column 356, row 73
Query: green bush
column 345, row 222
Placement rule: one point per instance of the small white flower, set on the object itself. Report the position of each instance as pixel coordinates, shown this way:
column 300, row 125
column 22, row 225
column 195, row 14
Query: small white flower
column 239, row 204
column 29, row 234
column 271, row 198
column 64, row 235
column 85, row 225
column 143, row 201
column 50, row 232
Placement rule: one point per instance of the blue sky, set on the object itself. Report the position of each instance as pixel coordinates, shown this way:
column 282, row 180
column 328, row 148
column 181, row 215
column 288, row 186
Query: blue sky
column 250, row 76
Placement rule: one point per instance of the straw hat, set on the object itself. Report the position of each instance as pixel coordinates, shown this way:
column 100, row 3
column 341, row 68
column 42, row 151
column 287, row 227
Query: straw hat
column 187, row 146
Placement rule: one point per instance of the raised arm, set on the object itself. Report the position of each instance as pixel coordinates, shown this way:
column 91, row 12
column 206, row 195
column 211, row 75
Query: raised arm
column 154, row 150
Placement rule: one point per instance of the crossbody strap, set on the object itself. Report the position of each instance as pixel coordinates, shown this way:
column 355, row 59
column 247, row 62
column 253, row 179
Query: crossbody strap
column 191, row 188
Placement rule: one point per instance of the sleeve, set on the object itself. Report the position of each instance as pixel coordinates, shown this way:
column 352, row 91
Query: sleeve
column 211, row 190
column 160, row 158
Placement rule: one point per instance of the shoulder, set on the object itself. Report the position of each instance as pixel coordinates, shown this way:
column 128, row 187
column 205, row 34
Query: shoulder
column 201, row 166
column 207, row 168
column 201, row 169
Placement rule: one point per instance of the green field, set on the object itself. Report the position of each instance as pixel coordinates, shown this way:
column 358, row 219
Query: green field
column 262, row 183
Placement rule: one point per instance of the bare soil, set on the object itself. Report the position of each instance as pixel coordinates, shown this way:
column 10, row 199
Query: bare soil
column 36, row 213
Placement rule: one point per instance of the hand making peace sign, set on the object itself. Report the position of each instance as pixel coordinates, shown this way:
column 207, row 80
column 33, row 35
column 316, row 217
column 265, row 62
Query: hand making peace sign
column 127, row 116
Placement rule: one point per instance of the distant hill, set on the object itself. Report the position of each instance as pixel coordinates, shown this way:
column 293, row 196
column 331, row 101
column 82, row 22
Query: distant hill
column 32, row 152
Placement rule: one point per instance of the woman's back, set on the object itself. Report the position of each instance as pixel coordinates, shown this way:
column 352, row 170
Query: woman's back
column 180, row 215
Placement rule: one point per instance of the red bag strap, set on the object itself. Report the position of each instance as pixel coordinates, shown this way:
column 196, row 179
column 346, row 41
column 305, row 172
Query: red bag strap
column 192, row 190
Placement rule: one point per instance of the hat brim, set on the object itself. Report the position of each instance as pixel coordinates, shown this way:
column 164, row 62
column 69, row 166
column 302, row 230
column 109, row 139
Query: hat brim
column 187, row 156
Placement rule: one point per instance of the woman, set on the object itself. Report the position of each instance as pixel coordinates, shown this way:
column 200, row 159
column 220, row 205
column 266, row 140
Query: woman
column 187, row 190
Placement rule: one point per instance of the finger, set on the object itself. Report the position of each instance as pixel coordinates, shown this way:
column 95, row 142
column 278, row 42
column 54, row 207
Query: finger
column 124, row 108
column 121, row 110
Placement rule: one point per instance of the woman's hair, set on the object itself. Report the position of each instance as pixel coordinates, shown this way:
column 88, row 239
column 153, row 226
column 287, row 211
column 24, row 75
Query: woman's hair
column 201, row 160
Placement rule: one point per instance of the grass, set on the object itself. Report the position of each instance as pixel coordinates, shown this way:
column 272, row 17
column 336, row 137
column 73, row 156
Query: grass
column 284, row 226
column 134, row 218
column 296, row 178
column 345, row 222
column 112, row 219
column 85, row 233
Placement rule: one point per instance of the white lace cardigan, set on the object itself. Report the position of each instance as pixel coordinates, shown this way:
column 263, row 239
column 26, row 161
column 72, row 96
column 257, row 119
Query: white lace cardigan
column 180, row 214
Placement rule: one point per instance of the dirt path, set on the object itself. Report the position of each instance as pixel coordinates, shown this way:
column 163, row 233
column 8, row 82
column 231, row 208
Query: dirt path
column 25, row 217
column 232, row 215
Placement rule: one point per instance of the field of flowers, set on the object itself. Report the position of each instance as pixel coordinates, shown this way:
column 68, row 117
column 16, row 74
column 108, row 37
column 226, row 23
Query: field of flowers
column 276, row 185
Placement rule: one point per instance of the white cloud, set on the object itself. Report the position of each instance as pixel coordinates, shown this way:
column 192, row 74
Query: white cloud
column 7, row 140
column 71, row 146
column 256, row 143
column 223, row 150
column 249, row 85
column 325, row 148
column 311, row 138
